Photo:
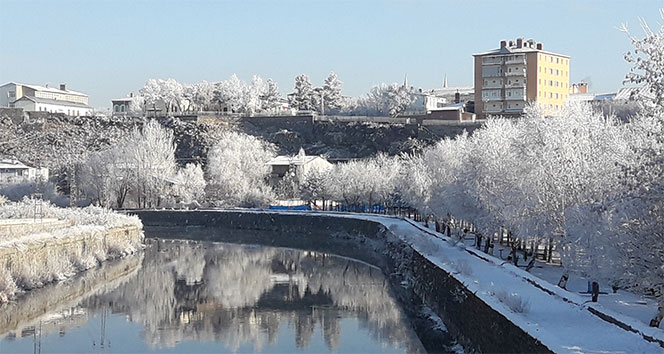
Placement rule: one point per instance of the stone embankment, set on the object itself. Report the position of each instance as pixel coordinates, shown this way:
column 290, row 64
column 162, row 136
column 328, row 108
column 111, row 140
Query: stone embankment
column 471, row 321
column 474, row 294
column 34, row 253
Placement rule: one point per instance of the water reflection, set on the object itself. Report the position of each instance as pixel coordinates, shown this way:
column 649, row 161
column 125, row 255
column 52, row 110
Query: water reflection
column 188, row 296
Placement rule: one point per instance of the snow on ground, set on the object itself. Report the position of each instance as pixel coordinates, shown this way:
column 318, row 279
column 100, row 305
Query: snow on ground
column 559, row 319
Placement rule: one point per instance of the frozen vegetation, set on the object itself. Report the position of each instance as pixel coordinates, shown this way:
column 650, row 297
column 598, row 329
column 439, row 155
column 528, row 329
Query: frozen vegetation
column 27, row 272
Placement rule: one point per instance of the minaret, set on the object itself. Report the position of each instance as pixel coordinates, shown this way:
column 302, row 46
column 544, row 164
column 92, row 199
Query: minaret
column 405, row 81
column 445, row 82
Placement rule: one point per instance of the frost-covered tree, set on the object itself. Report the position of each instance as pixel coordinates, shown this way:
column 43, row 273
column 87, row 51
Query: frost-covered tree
column 315, row 185
column 332, row 98
column 151, row 157
column 270, row 96
column 302, row 97
column 648, row 63
column 190, row 184
column 151, row 92
column 385, row 99
column 237, row 170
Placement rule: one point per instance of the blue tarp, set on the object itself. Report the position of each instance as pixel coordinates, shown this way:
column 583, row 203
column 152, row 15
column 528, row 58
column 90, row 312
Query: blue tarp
column 294, row 207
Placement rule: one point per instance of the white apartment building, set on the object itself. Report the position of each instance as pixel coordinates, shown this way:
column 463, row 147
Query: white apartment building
column 43, row 98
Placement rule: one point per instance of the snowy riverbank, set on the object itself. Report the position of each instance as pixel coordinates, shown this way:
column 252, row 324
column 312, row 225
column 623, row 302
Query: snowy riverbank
column 562, row 321
column 54, row 243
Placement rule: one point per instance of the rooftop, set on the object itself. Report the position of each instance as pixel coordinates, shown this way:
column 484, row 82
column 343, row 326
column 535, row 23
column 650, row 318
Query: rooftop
column 291, row 160
column 13, row 164
column 519, row 46
column 46, row 89
column 51, row 101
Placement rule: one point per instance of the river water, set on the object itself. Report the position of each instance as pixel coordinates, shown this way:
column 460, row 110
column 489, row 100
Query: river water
column 194, row 297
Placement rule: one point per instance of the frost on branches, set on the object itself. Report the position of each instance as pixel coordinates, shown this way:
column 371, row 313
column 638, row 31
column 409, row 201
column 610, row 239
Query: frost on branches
column 238, row 172
column 140, row 171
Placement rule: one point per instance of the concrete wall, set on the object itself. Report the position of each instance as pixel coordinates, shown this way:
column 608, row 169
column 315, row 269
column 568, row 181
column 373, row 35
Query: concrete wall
column 464, row 314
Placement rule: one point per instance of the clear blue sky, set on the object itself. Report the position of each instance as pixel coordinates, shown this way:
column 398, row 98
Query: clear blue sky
column 108, row 48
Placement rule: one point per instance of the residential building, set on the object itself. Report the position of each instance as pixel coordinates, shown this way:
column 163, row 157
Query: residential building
column 13, row 171
column 132, row 105
column 453, row 112
column 44, row 98
column 517, row 73
column 299, row 165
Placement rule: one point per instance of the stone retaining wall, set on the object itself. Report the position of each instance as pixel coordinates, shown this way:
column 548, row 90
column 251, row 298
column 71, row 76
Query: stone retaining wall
column 465, row 315
column 39, row 251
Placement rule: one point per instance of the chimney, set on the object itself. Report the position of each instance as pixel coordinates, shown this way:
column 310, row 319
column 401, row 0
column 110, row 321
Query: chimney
column 503, row 44
column 457, row 97
column 511, row 43
column 539, row 46
column 519, row 42
column 131, row 94
column 63, row 87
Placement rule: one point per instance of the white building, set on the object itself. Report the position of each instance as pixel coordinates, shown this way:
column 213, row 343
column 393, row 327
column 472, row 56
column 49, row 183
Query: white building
column 299, row 164
column 14, row 171
column 43, row 98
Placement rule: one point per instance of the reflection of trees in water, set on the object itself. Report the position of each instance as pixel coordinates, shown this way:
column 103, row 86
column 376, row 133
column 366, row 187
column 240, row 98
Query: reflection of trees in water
column 241, row 294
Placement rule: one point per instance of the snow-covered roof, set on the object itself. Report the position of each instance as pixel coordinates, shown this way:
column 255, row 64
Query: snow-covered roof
column 445, row 91
column 46, row 89
column 514, row 50
column 625, row 93
column 13, row 164
column 453, row 107
column 51, row 101
column 292, row 160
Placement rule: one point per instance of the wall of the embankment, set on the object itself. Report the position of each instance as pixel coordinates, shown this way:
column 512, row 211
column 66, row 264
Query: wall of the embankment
column 465, row 315
column 35, row 253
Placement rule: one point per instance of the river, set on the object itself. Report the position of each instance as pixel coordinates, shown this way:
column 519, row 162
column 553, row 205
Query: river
column 190, row 296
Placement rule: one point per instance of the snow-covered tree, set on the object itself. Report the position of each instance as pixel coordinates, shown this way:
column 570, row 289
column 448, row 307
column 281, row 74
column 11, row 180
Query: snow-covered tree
column 151, row 157
column 151, row 92
column 237, row 170
column 302, row 96
column 315, row 185
column 270, row 96
column 332, row 98
column 190, row 184
column 648, row 63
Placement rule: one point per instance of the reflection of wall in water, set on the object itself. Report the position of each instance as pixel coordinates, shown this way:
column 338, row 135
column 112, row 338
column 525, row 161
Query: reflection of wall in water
column 240, row 294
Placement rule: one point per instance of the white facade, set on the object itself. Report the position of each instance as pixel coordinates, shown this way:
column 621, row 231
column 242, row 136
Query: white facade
column 300, row 164
column 14, row 171
column 44, row 98
column 43, row 105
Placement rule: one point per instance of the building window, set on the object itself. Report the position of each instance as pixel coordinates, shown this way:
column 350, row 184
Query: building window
column 557, row 60
column 556, row 96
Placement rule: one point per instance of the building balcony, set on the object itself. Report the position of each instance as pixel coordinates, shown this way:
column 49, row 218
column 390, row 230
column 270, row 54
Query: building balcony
column 516, row 73
column 516, row 98
column 515, row 61
column 513, row 110
column 493, row 110
column 491, row 99
column 497, row 85
column 516, row 85
column 492, row 61
column 486, row 74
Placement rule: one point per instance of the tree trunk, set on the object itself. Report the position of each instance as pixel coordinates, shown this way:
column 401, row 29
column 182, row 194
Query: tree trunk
column 595, row 291
column 562, row 283
column 658, row 318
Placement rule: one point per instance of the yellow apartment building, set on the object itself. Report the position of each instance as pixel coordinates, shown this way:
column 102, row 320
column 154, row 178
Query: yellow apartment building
column 517, row 73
